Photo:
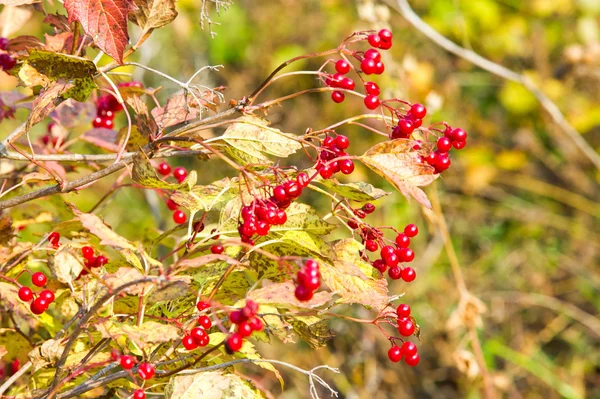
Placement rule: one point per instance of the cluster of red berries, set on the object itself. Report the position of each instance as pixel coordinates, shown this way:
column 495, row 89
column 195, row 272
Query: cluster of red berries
column 198, row 337
column 145, row 370
column 309, row 280
column 258, row 217
column 409, row 122
column 40, row 304
column 6, row 61
column 406, row 328
column 440, row 158
column 54, row 239
column 391, row 256
column 332, row 148
column 107, row 106
column 49, row 138
column 91, row 261
column 340, row 80
column 179, row 173
column 247, row 322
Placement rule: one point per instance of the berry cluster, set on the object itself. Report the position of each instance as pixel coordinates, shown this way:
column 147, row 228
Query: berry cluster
column 391, row 256
column 309, row 280
column 49, row 138
column 247, row 322
column 179, row 173
column 440, row 158
column 6, row 61
column 406, row 328
column 333, row 148
column 198, row 337
column 340, row 80
column 91, row 261
column 40, row 304
column 145, row 370
column 107, row 106
column 409, row 122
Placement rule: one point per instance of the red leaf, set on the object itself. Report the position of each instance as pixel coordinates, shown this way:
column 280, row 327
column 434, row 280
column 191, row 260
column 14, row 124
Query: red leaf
column 105, row 21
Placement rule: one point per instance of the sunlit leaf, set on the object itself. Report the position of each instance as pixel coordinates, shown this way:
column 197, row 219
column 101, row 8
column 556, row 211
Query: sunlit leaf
column 211, row 385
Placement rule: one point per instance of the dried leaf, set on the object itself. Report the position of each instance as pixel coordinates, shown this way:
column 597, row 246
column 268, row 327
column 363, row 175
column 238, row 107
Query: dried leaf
column 64, row 265
column 59, row 43
column 13, row 18
column 106, row 235
column 398, row 163
column 47, row 101
column 177, row 109
column 282, row 294
column 105, row 21
column 24, row 42
column 144, row 174
column 150, row 332
column 145, row 124
column 125, row 275
column 49, row 352
column 211, row 385
column 6, row 230
column 153, row 14
column 316, row 335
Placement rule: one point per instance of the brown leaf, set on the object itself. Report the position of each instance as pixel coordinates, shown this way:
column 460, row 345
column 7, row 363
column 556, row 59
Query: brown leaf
column 60, row 43
column 152, row 14
column 126, row 275
column 47, row 101
column 13, row 18
column 58, row 21
column 177, row 109
column 64, row 265
column 283, row 294
column 398, row 163
column 25, row 42
column 105, row 21
column 145, row 124
column 6, row 230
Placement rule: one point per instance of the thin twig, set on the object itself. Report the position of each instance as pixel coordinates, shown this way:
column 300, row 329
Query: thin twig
column 14, row 377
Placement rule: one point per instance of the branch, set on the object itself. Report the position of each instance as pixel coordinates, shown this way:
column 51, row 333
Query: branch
column 95, row 157
column 407, row 12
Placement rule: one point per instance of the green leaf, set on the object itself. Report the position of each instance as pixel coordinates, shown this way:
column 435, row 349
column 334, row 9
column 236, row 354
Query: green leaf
column 302, row 217
column 211, row 385
column 150, row 332
column 398, row 163
column 15, row 344
column 316, row 334
column 360, row 191
column 253, row 136
column 206, row 198
column 145, row 175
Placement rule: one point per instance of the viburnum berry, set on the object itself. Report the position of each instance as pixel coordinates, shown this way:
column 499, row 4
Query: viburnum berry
column 459, row 134
column 386, row 35
column 234, row 343
column 146, row 371
column 217, row 249
column 338, row 96
column 202, row 305
column 303, row 293
column 444, row 144
column 139, row 394
column 172, row 205
column 372, row 88
column 368, row 208
column 347, row 84
column 408, row 348
column 164, row 169
column 87, row 252
column 371, row 101
column 200, row 336
column 180, row 173
column 100, row 261
column 244, row 329
column 371, row 245
column 394, row 272
column 25, row 294
column 379, row 68
column 346, row 166
column 39, row 305
column 418, row 111
column 189, row 343
column 405, row 254
column 342, row 66
column 411, row 230
column 373, row 55
column 7, row 62
column 204, row 322
column 179, row 217
column 256, row 323
column 326, row 171
column 395, row 354
column 408, row 274
column 403, row 310
column 127, row 362
column 374, row 40
column 413, row 360
column 406, row 327
column 39, row 279
column 47, row 295
column 402, row 240
column 303, row 179
column 54, row 238
column 368, row 66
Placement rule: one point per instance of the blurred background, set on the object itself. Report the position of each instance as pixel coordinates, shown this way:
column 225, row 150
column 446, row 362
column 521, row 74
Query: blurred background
column 521, row 203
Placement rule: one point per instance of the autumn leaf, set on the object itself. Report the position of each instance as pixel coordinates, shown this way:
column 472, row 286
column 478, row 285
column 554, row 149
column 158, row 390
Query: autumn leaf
column 360, row 191
column 153, row 14
column 211, row 385
column 105, row 21
column 282, row 294
column 64, row 265
column 398, row 163
column 178, row 108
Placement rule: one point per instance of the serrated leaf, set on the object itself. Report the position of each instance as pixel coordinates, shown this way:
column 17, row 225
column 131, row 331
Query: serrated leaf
column 144, row 174
column 253, row 136
column 206, row 198
column 282, row 294
column 360, row 191
column 48, row 99
column 105, row 21
column 211, row 385
column 107, row 236
column 64, row 265
column 150, row 332
column 153, row 14
column 398, row 163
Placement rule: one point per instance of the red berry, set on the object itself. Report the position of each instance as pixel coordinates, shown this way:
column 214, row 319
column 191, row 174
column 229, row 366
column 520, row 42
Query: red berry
column 189, row 343
column 372, row 88
column 418, row 110
column 256, row 323
column 459, row 145
column 346, row 166
column 199, row 335
column 39, row 279
column 392, row 260
column 180, row 173
column 292, row 189
column 179, row 217
column 100, row 261
column 54, row 238
column 139, row 394
column 236, row 317
column 342, row 66
column 47, row 295
column 202, row 305
column 408, row 348
column 234, row 342
column 395, row 354
column 217, row 249
column 371, row 101
column 204, row 322
column 310, row 282
column 371, row 245
column 403, row 310
column 386, row 35
column 402, row 240
column 373, row 55
column 411, row 230
column 303, row 179
column 374, row 40
column 172, row 205
column 380, row 265
column 385, row 45
column 25, row 294
column 338, row 97
column 244, row 329
column 379, row 68
column 387, row 251
column 368, row 66
column 406, row 327
column 413, row 360
column 342, row 142
column 39, row 305
column 87, row 252
column 459, row 135
column 326, row 171
column 406, row 254
column 408, row 274
column 311, row 265
column 164, row 168
column 303, row 293
column 347, row 84
column 394, row 272
column 127, row 362
column 406, row 126
column 444, row 144
column 368, row 208
column 146, row 371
